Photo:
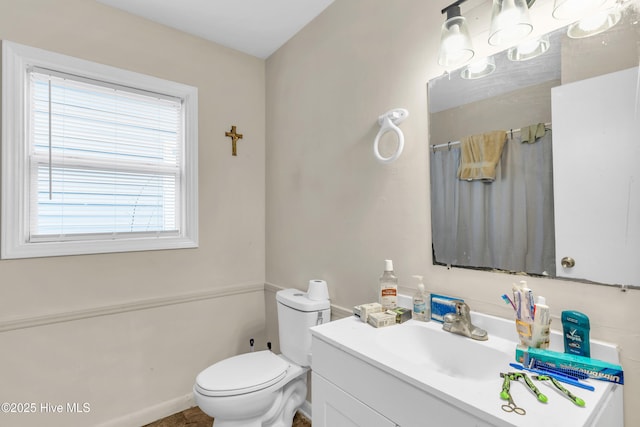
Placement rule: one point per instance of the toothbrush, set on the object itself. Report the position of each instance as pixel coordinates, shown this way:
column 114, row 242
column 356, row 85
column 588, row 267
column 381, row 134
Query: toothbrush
column 528, row 299
column 568, row 375
column 559, row 377
column 567, row 372
column 517, row 299
column 572, row 373
column 507, row 300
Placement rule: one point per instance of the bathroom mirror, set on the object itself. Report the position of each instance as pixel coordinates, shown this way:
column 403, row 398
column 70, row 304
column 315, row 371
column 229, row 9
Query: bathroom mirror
column 591, row 229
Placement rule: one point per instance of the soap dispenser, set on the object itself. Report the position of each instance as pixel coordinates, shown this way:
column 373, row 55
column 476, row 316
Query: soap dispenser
column 421, row 303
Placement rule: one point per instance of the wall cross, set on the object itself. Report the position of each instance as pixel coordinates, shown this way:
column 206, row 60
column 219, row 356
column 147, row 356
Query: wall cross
column 234, row 139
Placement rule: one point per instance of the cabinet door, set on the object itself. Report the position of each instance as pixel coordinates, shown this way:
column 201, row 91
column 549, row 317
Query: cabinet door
column 332, row 407
column 596, row 181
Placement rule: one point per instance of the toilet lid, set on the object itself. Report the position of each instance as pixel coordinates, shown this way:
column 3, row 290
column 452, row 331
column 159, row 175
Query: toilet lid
column 242, row 374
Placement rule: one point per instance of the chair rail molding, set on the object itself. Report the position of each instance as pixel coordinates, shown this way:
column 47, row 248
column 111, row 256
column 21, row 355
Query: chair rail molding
column 124, row 307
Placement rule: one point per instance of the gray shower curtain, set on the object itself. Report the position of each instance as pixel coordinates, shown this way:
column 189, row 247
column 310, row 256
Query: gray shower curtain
column 506, row 224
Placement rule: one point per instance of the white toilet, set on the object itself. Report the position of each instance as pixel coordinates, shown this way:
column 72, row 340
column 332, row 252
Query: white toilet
column 262, row 389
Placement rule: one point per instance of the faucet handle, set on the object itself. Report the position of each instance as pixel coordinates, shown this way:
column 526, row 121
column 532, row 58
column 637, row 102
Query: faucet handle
column 462, row 307
column 450, row 317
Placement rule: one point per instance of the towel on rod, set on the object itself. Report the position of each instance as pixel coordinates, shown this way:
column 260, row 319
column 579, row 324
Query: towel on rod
column 532, row 133
column 480, row 154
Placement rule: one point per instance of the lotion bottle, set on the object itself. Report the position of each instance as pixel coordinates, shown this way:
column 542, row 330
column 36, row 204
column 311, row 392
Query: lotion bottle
column 421, row 303
column 388, row 287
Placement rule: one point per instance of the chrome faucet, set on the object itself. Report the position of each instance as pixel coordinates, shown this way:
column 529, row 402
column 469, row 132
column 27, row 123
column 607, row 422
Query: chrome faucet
column 460, row 323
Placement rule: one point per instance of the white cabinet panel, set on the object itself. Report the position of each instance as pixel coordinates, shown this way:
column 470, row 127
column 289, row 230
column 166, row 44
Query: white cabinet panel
column 391, row 397
column 335, row 408
column 596, row 152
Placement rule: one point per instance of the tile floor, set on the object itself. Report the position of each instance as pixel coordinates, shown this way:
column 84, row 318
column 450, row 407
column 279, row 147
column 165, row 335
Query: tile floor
column 194, row 417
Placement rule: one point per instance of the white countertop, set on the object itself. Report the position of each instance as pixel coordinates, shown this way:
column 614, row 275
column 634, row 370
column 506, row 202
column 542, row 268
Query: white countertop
column 479, row 395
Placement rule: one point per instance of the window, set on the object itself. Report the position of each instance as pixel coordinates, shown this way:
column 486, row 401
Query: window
column 94, row 159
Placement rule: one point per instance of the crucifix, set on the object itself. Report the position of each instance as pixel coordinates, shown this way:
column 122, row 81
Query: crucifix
column 234, row 139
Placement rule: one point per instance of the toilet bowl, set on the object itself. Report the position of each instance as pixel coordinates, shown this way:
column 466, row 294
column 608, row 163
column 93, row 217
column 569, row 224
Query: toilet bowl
column 262, row 389
column 248, row 390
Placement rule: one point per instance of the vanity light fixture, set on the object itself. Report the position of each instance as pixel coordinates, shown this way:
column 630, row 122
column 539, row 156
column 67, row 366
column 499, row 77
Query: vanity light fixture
column 455, row 41
column 596, row 23
column 529, row 49
column 478, row 69
column 510, row 22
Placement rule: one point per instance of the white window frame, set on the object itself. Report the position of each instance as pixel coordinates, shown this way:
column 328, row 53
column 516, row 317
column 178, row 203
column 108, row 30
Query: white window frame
column 14, row 229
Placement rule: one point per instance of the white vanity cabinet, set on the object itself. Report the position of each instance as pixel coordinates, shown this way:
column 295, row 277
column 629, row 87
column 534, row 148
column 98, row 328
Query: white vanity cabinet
column 338, row 408
column 346, row 392
column 358, row 382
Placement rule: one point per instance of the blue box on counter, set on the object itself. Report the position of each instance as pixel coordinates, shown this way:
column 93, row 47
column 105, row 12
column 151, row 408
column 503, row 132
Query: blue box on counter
column 565, row 362
column 441, row 305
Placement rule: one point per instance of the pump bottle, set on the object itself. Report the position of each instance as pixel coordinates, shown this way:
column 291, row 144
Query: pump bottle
column 421, row 303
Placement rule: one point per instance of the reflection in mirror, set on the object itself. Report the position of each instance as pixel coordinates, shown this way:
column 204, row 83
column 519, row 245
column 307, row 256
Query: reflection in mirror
column 537, row 162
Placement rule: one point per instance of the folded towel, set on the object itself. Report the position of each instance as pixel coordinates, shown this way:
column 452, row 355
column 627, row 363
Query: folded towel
column 531, row 134
column 480, row 154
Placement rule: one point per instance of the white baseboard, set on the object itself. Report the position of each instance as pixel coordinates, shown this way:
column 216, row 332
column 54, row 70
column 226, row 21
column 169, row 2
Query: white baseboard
column 153, row 413
column 170, row 407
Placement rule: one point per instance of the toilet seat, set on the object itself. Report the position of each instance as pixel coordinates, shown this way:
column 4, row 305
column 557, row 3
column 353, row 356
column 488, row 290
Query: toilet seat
column 241, row 374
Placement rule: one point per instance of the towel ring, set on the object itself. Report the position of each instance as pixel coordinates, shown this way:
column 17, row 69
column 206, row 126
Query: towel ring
column 388, row 122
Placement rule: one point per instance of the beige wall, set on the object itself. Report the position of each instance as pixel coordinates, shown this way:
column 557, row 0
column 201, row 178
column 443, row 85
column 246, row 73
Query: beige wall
column 523, row 106
column 334, row 213
column 128, row 332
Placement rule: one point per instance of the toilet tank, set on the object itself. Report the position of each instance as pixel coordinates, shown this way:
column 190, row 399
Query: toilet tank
column 296, row 314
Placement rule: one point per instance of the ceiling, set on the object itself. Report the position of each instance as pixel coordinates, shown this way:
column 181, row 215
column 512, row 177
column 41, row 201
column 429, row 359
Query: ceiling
column 255, row 27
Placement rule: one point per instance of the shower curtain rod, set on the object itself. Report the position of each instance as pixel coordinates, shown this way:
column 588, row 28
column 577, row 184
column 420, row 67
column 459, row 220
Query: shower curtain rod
column 452, row 143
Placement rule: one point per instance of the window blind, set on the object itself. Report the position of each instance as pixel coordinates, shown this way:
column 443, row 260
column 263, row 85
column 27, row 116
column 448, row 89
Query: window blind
column 103, row 159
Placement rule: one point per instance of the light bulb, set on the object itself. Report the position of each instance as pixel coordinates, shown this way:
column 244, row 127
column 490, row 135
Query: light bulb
column 593, row 22
column 479, row 68
column 574, row 9
column 596, row 23
column 510, row 22
column 529, row 49
column 455, row 44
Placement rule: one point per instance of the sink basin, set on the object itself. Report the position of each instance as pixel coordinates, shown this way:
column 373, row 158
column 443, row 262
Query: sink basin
column 430, row 348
